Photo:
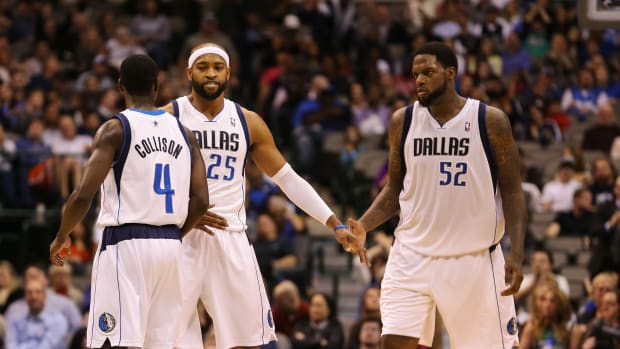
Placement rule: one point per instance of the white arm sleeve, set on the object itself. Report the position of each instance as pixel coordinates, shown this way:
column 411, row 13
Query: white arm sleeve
column 302, row 194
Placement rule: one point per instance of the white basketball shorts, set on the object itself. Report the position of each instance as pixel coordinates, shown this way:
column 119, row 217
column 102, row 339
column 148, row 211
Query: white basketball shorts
column 223, row 272
column 464, row 289
column 136, row 287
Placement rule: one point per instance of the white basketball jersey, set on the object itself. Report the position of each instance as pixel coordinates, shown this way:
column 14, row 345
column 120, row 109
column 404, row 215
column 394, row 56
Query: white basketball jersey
column 149, row 181
column 450, row 202
column 224, row 144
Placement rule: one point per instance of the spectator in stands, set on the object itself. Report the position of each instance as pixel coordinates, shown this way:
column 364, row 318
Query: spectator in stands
column 152, row 30
column 602, row 134
column 583, row 100
column 548, row 324
column 288, row 308
column 7, row 175
column 8, row 282
column 260, row 189
column 273, row 251
column 541, row 263
column 283, row 212
column 369, row 305
column 540, row 129
column 602, row 181
column 603, row 332
column 40, row 326
column 322, row 329
column 372, row 119
column 61, row 283
column 576, row 222
column 32, row 154
column 351, row 148
column 366, row 333
column 122, row 45
column 592, row 309
column 100, row 70
column 557, row 194
column 70, row 151
column 62, row 304
column 606, row 235
column 515, row 57
column 609, row 86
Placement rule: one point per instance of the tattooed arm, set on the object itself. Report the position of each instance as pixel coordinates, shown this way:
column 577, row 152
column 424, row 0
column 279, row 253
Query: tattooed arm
column 508, row 166
column 386, row 203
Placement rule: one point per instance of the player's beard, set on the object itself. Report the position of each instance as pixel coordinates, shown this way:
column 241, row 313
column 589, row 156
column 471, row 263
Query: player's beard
column 200, row 90
column 433, row 95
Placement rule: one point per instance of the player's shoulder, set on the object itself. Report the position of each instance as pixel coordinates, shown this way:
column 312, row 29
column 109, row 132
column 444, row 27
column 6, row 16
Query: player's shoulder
column 398, row 117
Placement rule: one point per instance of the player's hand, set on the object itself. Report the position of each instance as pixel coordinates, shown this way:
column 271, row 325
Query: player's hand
column 513, row 277
column 213, row 220
column 58, row 249
column 353, row 240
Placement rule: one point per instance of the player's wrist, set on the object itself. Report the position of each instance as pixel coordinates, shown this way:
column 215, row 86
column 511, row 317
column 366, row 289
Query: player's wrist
column 340, row 226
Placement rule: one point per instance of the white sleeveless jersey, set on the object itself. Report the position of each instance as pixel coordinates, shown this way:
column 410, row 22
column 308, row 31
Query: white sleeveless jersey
column 224, row 144
column 450, row 203
column 149, row 181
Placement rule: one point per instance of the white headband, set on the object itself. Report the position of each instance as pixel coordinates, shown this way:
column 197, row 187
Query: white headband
column 208, row 49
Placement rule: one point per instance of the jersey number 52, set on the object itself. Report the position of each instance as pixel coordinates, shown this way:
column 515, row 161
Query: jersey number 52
column 452, row 174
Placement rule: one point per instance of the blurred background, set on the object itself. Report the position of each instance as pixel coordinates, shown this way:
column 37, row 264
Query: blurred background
column 326, row 76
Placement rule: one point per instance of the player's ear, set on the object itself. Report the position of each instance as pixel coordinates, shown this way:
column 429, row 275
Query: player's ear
column 188, row 73
column 451, row 72
column 121, row 87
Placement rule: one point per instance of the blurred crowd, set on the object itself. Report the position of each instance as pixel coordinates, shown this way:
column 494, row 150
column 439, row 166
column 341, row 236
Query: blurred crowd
column 326, row 76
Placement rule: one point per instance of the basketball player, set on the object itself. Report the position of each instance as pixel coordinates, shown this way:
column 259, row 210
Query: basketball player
column 152, row 191
column 454, row 174
column 224, row 272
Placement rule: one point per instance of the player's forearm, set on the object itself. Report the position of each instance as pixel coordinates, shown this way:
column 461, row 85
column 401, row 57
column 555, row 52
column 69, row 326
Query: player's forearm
column 197, row 206
column 76, row 208
column 515, row 216
column 384, row 207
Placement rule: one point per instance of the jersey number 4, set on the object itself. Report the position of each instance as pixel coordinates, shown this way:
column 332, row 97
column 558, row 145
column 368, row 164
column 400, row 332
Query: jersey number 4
column 452, row 175
column 162, row 172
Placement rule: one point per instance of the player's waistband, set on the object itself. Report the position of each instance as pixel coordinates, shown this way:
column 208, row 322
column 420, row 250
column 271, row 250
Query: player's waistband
column 114, row 235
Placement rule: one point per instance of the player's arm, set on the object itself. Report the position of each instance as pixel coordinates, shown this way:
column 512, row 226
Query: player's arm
column 106, row 146
column 508, row 164
column 386, row 203
column 271, row 162
column 198, row 189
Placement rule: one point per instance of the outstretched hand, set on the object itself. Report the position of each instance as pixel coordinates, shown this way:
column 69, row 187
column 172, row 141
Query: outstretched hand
column 213, row 220
column 513, row 276
column 353, row 240
column 56, row 250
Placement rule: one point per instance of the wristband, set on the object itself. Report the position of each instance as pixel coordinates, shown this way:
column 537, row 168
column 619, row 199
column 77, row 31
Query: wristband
column 341, row 226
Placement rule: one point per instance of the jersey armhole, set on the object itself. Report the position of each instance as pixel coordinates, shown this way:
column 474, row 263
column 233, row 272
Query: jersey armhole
column 184, row 133
column 119, row 162
column 403, row 136
column 246, row 133
column 486, row 143
column 175, row 108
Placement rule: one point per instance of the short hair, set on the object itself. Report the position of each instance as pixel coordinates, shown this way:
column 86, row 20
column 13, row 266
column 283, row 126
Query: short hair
column 138, row 74
column 545, row 251
column 444, row 54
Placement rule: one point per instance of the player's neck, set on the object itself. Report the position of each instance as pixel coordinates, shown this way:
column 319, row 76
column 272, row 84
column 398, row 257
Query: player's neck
column 447, row 106
column 140, row 102
column 210, row 108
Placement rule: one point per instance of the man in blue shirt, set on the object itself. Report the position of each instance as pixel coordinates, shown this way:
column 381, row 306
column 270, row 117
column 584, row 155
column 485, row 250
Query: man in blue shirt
column 58, row 303
column 40, row 327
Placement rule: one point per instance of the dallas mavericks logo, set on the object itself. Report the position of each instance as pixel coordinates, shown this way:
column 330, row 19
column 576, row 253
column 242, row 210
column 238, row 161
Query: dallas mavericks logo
column 512, row 326
column 106, row 322
column 269, row 319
